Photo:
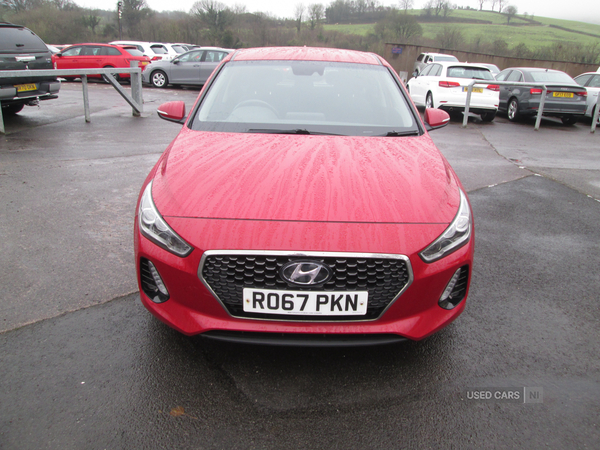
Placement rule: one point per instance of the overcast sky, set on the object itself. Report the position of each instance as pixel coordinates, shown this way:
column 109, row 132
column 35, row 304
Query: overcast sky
column 583, row 10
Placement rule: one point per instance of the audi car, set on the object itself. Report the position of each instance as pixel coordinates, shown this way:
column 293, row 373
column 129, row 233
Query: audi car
column 303, row 202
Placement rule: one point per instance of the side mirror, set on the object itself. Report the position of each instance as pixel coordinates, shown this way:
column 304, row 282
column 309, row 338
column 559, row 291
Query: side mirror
column 172, row 111
column 415, row 74
column 175, row 61
column 436, row 118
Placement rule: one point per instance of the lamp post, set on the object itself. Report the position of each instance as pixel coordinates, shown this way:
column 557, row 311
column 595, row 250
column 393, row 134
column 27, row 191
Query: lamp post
column 120, row 13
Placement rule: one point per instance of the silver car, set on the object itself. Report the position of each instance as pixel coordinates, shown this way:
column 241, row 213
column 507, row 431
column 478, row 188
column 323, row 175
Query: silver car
column 190, row 68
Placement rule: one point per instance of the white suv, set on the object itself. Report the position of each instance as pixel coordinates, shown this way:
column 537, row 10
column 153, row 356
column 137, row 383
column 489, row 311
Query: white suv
column 426, row 58
column 153, row 50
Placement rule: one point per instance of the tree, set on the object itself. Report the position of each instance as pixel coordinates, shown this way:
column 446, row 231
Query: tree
column 316, row 11
column 493, row 2
column 134, row 13
column 215, row 16
column 298, row 13
column 450, row 37
column 406, row 4
column 510, row 11
column 91, row 21
column 481, row 2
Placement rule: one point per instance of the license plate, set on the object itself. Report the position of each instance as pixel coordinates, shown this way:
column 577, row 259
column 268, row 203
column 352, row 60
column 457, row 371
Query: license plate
column 562, row 94
column 26, row 87
column 475, row 89
column 311, row 303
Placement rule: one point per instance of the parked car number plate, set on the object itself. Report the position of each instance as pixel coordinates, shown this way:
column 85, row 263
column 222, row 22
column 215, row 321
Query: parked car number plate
column 26, row 87
column 312, row 303
column 475, row 89
column 562, row 94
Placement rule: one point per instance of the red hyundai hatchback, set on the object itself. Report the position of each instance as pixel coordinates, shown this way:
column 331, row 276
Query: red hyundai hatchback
column 99, row 56
column 303, row 202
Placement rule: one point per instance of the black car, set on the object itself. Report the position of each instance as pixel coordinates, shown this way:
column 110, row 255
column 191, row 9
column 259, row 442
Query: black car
column 565, row 98
column 22, row 49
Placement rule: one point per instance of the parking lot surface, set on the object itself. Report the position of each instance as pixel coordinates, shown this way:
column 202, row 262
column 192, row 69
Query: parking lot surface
column 84, row 365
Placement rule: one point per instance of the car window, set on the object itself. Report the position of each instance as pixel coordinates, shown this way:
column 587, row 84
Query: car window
column 179, row 48
column 213, row 56
column 20, row 40
column 474, row 73
column 320, row 97
column 595, row 82
column 420, row 57
column 191, row 56
column 552, row 77
column 515, row 76
column 73, row 51
column 133, row 51
column 436, row 70
column 159, row 49
column 502, row 75
column 426, row 71
column 582, row 79
column 110, row 51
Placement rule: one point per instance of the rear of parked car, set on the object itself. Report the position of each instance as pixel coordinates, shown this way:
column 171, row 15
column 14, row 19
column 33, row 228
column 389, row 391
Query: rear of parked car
column 445, row 86
column 564, row 99
column 22, row 50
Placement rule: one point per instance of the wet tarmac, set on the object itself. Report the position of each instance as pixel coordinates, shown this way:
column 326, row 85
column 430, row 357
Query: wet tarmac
column 84, row 365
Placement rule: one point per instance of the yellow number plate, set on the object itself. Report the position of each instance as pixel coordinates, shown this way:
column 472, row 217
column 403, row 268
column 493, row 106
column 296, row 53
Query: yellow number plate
column 562, row 94
column 475, row 89
column 26, row 87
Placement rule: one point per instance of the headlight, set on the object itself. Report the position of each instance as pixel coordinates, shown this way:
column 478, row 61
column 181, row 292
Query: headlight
column 455, row 236
column 153, row 226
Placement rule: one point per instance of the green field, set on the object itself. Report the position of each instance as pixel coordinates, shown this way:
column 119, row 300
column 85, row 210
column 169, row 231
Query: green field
column 533, row 36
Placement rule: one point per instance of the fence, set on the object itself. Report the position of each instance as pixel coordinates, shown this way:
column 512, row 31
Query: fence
column 135, row 99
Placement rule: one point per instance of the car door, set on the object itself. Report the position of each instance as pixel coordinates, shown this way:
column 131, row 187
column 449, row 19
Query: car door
column 185, row 69
column 417, row 86
column 68, row 59
column 514, row 90
column 210, row 61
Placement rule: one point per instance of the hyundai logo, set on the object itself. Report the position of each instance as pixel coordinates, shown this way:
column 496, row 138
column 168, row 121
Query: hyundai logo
column 305, row 273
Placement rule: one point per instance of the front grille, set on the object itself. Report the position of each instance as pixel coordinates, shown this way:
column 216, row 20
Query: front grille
column 227, row 273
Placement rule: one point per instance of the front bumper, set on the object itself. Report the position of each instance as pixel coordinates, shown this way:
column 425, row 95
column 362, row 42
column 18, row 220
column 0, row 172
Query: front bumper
column 192, row 309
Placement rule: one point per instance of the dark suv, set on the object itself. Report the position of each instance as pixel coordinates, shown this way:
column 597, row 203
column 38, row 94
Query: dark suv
column 22, row 49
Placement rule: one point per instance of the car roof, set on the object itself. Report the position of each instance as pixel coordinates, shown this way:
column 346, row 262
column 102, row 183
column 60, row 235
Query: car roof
column 533, row 69
column 459, row 63
column 305, row 54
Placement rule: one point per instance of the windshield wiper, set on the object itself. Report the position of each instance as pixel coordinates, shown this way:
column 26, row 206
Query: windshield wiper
column 401, row 133
column 293, row 131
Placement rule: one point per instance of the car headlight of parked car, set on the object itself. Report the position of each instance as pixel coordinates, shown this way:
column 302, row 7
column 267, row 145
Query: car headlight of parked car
column 454, row 237
column 154, row 227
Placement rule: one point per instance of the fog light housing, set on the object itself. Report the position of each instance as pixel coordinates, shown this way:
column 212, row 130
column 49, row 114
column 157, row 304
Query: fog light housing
column 456, row 289
column 152, row 283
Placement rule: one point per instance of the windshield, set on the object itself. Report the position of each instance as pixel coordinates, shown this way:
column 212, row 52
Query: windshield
column 20, row 40
column 553, row 77
column 476, row 73
column 305, row 97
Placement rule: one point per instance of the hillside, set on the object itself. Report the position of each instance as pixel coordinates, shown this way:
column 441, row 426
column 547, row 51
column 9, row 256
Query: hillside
column 536, row 32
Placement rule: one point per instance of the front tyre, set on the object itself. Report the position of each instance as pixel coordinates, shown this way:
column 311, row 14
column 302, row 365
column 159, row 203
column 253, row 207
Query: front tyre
column 159, row 79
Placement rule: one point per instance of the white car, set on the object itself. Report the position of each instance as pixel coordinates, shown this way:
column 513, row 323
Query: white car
column 427, row 58
column 153, row 50
column 591, row 82
column 444, row 85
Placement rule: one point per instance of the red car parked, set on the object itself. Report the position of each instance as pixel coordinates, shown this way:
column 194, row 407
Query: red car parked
column 304, row 202
column 98, row 56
